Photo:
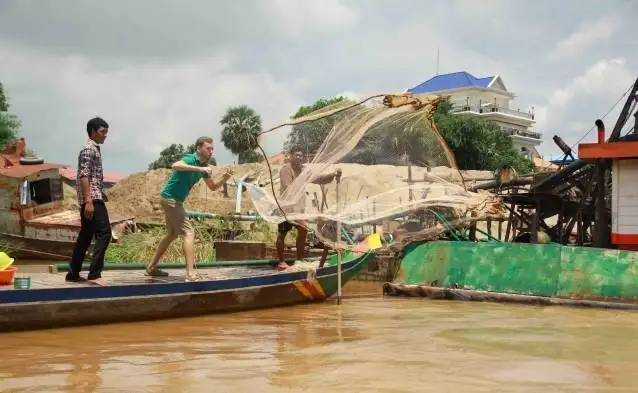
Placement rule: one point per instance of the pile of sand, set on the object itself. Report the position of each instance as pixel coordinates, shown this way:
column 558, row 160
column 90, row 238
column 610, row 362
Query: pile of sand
column 138, row 194
column 70, row 201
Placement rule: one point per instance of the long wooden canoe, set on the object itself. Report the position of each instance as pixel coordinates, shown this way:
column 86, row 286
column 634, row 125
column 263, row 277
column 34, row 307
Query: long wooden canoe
column 131, row 296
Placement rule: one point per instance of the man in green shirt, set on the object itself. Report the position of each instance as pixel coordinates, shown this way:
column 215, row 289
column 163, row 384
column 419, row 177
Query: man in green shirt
column 186, row 173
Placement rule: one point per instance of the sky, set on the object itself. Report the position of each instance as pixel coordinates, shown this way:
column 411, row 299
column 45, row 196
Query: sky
column 165, row 71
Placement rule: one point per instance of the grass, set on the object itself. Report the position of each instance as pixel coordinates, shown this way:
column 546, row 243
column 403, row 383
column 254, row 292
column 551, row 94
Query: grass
column 139, row 247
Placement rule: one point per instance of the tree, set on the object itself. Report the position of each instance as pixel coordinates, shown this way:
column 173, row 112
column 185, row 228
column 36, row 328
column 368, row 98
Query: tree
column 308, row 137
column 478, row 144
column 9, row 123
column 241, row 126
column 250, row 156
column 174, row 153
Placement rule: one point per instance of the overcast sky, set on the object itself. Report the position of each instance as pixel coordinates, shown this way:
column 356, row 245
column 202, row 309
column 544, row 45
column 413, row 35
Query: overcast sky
column 164, row 71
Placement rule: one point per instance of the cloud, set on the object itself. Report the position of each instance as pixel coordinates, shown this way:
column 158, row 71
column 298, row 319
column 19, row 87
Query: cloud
column 295, row 19
column 148, row 106
column 163, row 72
column 588, row 34
column 571, row 109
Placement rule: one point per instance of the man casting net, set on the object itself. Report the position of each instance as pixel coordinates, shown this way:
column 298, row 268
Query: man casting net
column 375, row 165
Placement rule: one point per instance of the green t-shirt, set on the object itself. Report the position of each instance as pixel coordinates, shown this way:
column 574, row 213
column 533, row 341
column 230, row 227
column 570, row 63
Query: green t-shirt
column 179, row 184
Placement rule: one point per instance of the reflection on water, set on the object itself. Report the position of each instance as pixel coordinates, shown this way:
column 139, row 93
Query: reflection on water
column 368, row 344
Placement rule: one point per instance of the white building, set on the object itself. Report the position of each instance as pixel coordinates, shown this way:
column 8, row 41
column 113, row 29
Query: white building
column 488, row 98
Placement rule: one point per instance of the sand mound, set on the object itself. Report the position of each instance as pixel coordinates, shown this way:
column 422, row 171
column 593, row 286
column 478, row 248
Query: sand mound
column 138, row 194
column 70, row 201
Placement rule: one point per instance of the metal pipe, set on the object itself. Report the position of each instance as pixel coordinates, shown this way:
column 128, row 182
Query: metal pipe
column 244, row 217
column 601, row 131
column 338, row 241
column 64, row 267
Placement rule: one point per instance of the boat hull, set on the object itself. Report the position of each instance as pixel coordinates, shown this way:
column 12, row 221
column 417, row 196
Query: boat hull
column 30, row 309
column 525, row 273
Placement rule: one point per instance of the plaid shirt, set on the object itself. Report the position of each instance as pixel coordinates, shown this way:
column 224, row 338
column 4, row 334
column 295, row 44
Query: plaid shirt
column 90, row 165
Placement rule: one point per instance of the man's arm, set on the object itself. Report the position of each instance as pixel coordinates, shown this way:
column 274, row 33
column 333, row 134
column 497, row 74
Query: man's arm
column 187, row 164
column 213, row 185
column 325, row 179
column 84, row 172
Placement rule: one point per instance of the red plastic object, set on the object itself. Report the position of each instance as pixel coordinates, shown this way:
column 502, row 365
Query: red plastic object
column 6, row 275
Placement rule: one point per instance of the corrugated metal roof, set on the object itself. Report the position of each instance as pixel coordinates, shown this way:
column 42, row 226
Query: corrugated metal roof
column 454, row 80
column 22, row 171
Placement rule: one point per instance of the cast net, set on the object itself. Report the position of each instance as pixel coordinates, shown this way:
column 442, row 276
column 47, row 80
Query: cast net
column 398, row 177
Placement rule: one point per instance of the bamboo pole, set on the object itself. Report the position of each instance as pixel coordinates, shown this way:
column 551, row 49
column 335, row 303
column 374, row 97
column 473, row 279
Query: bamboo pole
column 337, row 239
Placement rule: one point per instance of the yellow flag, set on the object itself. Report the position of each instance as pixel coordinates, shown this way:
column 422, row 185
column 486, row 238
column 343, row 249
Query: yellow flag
column 374, row 241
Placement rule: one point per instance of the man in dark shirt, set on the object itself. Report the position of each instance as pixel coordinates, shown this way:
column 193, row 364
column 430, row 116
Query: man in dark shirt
column 94, row 217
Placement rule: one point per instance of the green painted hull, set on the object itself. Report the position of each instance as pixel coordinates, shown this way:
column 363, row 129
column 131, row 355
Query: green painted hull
column 548, row 270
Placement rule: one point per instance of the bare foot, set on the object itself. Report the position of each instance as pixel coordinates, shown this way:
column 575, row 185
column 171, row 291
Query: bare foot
column 282, row 266
column 99, row 281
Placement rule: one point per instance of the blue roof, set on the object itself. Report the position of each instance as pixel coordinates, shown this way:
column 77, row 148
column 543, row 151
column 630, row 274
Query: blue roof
column 450, row 81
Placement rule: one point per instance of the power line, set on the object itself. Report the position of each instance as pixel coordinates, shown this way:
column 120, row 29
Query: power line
column 603, row 118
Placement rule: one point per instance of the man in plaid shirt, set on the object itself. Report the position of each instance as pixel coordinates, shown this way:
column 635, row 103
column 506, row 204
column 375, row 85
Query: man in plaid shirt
column 93, row 213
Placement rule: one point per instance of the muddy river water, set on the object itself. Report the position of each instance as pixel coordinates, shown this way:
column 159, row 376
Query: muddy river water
column 367, row 344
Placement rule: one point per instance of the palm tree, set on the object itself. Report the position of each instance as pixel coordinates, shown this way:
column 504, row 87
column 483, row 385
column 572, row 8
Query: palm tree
column 241, row 124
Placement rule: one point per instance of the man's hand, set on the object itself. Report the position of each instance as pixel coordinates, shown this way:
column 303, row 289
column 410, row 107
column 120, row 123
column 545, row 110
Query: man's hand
column 338, row 174
column 229, row 173
column 88, row 210
column 208, row 171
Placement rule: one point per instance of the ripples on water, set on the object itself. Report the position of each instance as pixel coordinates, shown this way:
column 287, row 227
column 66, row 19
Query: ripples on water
column 368, row 344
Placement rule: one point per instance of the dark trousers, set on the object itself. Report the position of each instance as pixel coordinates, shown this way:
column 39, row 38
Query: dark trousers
column 98, row 226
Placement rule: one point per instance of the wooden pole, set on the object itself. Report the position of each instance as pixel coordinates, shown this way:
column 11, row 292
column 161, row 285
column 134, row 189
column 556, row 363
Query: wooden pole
column 337, row 239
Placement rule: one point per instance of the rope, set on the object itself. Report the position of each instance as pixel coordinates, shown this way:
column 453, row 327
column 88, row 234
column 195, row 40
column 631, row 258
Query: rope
column 603, row 118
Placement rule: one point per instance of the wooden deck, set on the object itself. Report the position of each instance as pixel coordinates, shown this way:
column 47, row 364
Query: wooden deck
column 41, row 280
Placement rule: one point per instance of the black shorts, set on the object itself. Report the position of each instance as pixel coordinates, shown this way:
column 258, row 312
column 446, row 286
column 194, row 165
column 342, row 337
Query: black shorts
column 285, row 227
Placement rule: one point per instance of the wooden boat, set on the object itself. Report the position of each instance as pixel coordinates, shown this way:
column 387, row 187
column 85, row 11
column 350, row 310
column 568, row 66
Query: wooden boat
column 131, row 296
column 33, row 221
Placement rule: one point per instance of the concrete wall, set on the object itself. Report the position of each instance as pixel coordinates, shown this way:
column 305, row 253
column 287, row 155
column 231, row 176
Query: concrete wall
column 53, row 233
column 9, row 197
column 382, row 269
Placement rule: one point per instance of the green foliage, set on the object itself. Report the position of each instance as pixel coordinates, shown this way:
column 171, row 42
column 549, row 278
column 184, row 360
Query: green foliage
column 478, row 144
column 174, row 153
column 241, row 126
column 140, row 246
column 4, row 103
column 249, row 156
column 308, row 137
column 9, row 124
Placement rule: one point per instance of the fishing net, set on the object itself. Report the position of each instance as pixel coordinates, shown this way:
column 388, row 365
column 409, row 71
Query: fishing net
column 398, row 177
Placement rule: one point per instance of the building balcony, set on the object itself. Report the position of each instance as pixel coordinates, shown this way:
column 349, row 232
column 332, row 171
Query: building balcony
column 489, row 109
column 526, row 134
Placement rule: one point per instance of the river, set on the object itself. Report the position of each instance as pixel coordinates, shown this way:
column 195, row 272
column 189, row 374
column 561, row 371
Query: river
column 369, row 343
